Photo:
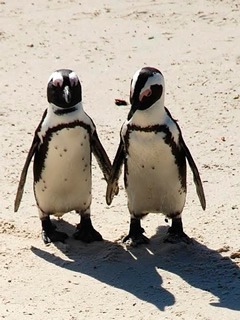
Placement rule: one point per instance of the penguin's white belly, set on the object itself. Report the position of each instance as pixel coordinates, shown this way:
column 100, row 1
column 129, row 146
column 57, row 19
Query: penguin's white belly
column 65, row 182
column 153, row 182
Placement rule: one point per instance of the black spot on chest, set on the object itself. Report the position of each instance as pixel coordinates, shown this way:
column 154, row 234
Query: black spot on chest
column 41, row 153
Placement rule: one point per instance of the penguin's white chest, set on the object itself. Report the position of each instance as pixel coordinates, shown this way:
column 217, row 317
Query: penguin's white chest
column 153, row 182
column 65, row 182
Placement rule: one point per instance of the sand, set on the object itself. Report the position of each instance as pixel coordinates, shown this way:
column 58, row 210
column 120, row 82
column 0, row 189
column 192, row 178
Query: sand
column 196, row 46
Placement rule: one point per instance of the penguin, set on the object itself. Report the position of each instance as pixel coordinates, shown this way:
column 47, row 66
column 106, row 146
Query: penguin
column 153, row 153
column 62, row 147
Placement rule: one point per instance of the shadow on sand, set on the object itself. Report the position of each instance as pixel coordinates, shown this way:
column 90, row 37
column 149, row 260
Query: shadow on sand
column 137, row 270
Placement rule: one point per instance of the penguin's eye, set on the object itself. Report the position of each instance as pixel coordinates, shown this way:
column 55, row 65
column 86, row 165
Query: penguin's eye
column 145, row 93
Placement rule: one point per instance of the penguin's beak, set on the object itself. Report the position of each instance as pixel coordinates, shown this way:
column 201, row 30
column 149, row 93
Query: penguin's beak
column 134, row 107
column 67, row 94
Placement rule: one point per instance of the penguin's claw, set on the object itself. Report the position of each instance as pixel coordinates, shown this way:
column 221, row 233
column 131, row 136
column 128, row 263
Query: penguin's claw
column 54, row 236
column 86, row 233
column 135, row 240
column 135, row 235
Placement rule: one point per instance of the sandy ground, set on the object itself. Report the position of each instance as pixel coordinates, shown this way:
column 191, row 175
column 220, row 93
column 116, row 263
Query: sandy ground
column 196, row 46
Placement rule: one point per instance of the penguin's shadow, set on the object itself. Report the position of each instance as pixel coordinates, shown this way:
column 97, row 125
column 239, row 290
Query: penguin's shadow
column 137, row 270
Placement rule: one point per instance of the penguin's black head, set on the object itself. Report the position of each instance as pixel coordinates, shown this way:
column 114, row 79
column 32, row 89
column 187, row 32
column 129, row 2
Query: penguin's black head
column 147, row 87
column 64, row 89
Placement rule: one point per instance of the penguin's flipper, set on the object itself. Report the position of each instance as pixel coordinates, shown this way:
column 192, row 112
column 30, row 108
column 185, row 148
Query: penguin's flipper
column 31, row 153
column 115, row 174
column 101, row 156
column 196, row 176
column 192, row 164
column 23, row 176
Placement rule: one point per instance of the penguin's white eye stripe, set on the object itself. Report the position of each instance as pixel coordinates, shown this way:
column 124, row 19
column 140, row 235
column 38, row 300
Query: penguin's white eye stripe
column 73, row 79
column 57, row 79
column 155, row 79
column 134, row 80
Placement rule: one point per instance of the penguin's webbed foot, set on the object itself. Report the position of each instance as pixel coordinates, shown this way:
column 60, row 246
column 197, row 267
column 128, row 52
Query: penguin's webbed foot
column 85, row 231
column 176, row 233
column 135, row 236
column 50, row 234
column 54, row 236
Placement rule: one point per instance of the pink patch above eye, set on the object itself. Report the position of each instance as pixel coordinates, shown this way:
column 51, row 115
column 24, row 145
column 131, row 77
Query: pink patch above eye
column 73, row 79
column 57, row 82
column 145, row 93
